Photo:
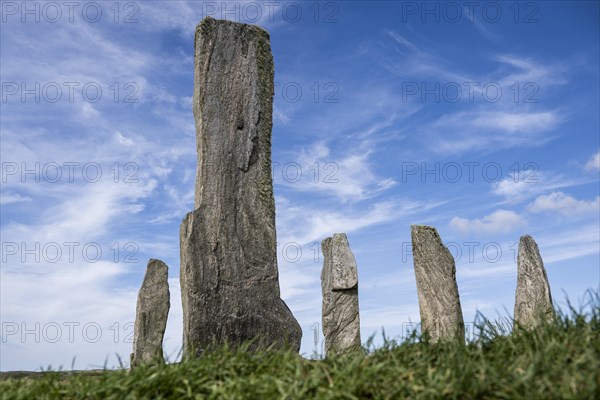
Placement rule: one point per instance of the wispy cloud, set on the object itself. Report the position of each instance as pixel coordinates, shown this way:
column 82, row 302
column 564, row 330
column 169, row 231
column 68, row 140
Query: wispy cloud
column 349, row 176
column 571, row 244
column 8, row 197
column 490, row 130
column 528, row 70
column 184, row 16
column 493, row 110
column 411, row 60
column 593, row 163
column 481, row 27
column 79, row 294
column 528, row 184
column 83, row 214
column 516, row 122
column 317, row 224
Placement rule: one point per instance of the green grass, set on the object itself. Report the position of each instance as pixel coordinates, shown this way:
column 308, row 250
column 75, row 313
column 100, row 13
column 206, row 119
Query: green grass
column 559, row 360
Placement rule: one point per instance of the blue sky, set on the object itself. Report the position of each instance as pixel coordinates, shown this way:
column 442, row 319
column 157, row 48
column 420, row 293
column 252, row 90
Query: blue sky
column 481, row 122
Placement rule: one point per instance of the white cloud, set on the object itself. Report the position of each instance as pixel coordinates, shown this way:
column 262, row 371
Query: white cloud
column 372, row 320
column 515, row 122
column 496, row 117
column 349, row 177
column 529, row 183
column 123, row 140
column 564, row 204
column 181, row 201
column 490, row 130
column 8, row 197
column 85, row 214
column 570, row 244
column 500, row 221
column 481, row 27
column 515, row 190
column 318, row 224
column 408, row 59
column 528, row 70
column 593, row 163
column 45, row 298
column 184, row 16
column 296, row 280
column 280, row 116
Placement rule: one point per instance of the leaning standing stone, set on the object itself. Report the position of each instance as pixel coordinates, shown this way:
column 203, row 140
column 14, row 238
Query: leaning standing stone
column 339, row 282
column 435, row 272
column 533, row 300
column 151, row 315
column 229, row 276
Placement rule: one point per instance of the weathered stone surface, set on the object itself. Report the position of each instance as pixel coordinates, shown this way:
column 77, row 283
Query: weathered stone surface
column 439, row 302
column 151, row 314
column 339, row 282
column 533, row 299
column 229, row 276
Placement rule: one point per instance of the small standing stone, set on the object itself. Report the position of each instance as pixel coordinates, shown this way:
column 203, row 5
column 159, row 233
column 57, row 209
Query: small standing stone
column 151, row 315
column 533, row 299
column 435, row 272
column 339, row 282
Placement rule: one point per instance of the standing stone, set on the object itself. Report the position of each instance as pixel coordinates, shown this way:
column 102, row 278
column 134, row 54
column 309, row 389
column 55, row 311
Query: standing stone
column 435, row 273
column 151, row 314
column 533, row 299
column 339, row 282
column 229, row 276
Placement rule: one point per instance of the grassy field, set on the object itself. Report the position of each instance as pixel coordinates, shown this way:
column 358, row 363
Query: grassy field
column 560, row 360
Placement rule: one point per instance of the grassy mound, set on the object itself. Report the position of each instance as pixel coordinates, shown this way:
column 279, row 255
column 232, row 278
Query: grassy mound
column 559, row 360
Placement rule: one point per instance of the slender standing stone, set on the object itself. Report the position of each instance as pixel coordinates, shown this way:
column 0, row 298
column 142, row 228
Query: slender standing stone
column 533, row 299
column 339, row 282
column 151, row 314
column 439, row 302
column 229, row 277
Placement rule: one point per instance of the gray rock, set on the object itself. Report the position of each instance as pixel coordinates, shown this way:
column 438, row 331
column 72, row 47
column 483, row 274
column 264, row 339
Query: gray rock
column 229, row 276
column 339, row 282
column 151, row 314
column 533, row 299
column 435, row 272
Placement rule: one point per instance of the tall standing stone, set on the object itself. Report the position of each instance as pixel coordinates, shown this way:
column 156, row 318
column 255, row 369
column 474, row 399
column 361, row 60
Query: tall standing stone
column 151, row 314
column 229, row 276
column 339, row 282
column 435, row 272
column 533, row 299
